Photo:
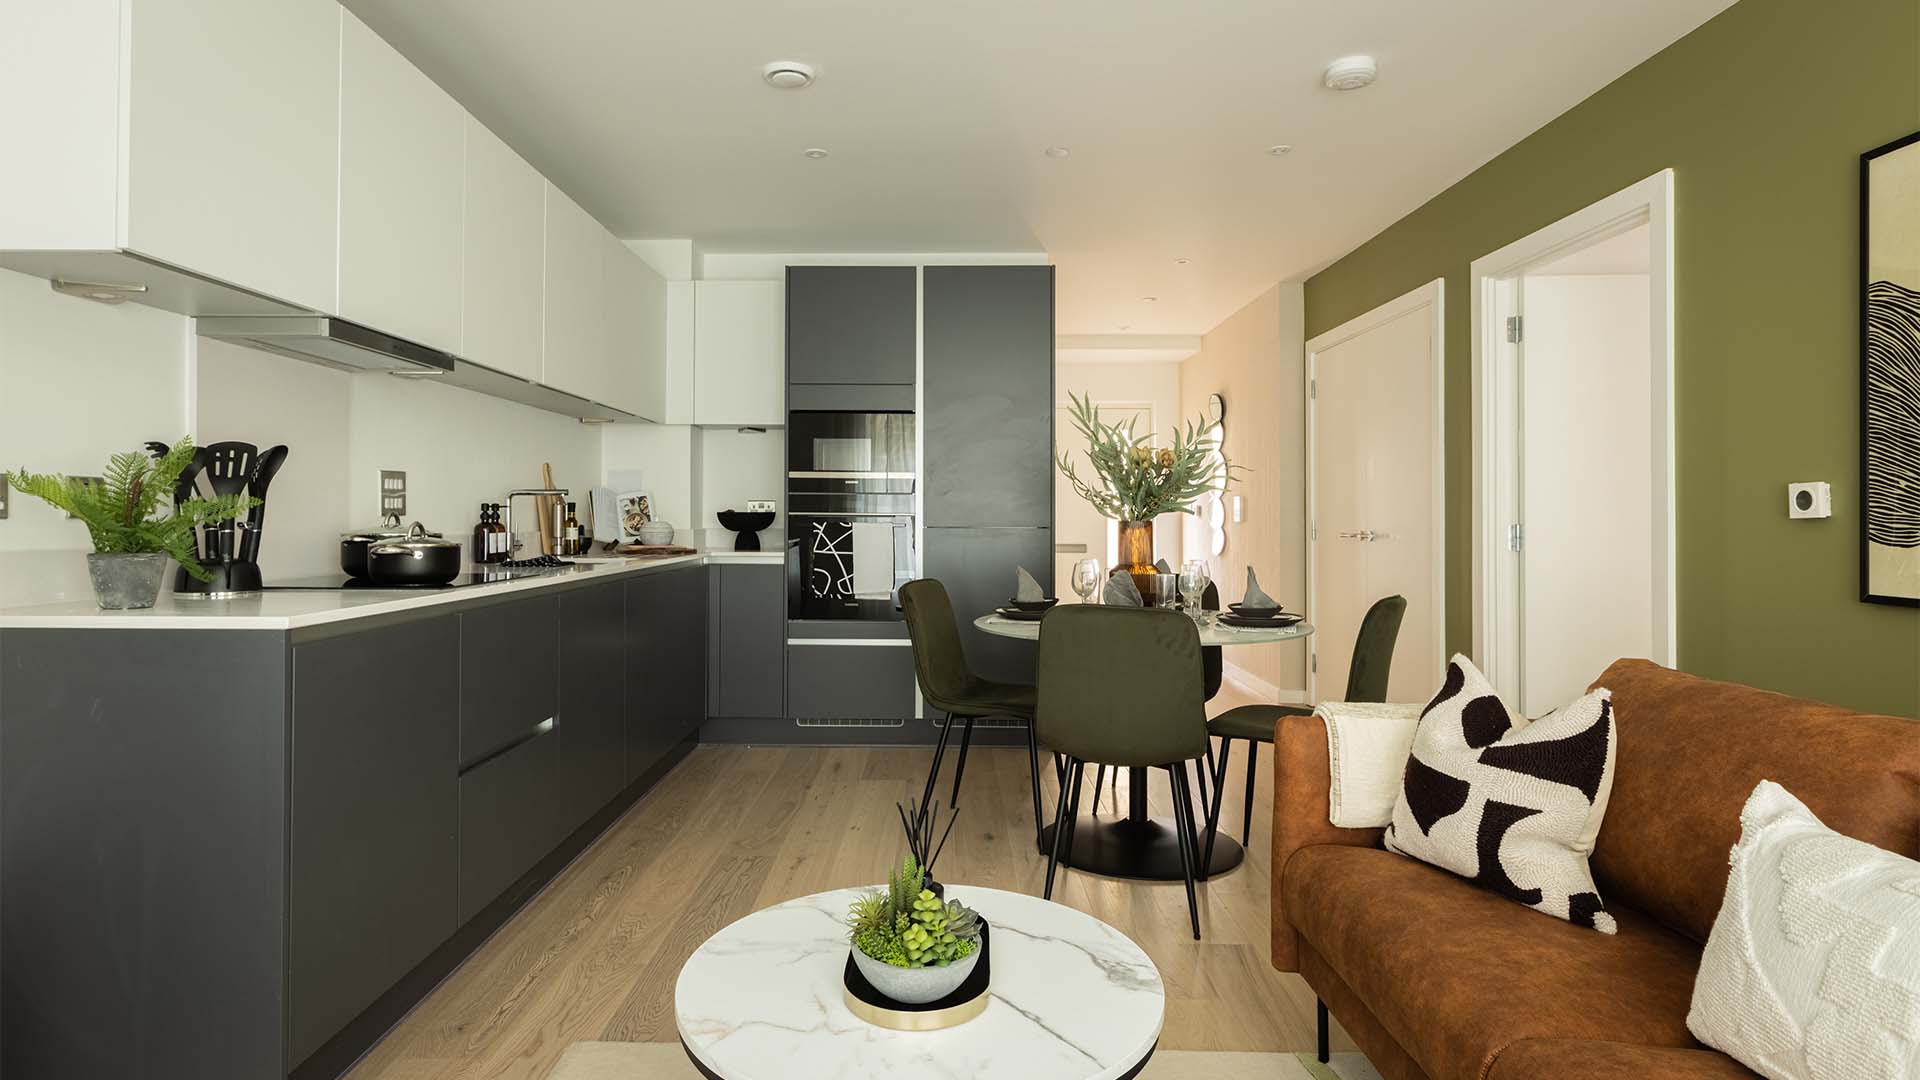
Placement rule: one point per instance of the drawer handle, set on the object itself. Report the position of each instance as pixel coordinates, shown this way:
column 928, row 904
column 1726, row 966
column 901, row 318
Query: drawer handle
column 511, row 745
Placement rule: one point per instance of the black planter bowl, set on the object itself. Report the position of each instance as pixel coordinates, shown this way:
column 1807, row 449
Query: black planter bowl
column 1033, row 605
column 747, row 525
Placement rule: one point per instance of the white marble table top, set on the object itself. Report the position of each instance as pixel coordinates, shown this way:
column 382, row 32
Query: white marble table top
column 1072, row 999
column 1215, row 633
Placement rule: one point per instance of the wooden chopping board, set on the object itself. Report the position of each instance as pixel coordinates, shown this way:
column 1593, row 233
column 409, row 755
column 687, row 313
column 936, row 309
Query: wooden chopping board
column 653, row 551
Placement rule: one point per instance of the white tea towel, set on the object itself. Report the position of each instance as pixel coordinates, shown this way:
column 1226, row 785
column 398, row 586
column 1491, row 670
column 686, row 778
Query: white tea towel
column 1025, row 588
column 1120, row 591
column 872, row 560
column 1255, row 596
column 1367, row 748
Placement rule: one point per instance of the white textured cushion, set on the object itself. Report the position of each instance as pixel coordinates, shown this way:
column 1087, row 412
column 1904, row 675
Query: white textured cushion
column 1511, row 804
column 1367, row 746
column 1812, row 970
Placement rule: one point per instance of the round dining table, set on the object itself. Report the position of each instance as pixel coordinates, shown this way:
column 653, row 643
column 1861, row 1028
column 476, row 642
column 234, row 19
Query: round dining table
column 1140, row 845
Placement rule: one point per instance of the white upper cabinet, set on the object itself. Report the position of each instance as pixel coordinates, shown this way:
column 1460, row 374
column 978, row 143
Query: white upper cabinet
column 227, row 130
column 636, row 314
column 504, row 255
column 574, row 343
column 739, row 353
column 402, row 172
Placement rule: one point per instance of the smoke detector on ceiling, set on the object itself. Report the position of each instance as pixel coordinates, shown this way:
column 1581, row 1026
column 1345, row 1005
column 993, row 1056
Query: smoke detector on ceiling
column 788, row 75
column 1351, row 73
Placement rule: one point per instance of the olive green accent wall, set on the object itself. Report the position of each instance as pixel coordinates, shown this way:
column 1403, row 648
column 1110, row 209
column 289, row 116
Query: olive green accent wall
column 1762, row 113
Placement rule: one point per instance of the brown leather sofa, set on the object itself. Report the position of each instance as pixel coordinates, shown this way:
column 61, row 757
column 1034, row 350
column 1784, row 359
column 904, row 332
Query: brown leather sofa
column 1437, row 979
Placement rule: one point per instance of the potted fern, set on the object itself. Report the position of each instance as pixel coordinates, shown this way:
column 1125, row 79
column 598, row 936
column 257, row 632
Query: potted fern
column 132, row 539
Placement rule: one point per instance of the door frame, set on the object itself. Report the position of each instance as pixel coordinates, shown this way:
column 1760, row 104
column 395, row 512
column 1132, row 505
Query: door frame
column 1433, row 297
column 1492, row 284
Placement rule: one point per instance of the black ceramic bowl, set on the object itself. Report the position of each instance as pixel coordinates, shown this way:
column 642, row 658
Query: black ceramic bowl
column 1246, row 612
column 1033, row 605
column 742, row 521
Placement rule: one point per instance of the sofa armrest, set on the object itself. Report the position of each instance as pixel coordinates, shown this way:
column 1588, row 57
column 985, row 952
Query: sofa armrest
column 1301, row 790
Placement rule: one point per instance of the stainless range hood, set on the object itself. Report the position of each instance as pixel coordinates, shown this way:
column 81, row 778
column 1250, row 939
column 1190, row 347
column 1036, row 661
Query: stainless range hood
column 323, row 339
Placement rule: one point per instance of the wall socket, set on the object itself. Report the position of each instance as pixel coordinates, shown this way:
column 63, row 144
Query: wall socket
column 393, row 493
column 755, row 506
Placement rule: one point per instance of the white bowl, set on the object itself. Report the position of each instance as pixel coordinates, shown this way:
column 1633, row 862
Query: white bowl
column 914, row 986
column 656, row 532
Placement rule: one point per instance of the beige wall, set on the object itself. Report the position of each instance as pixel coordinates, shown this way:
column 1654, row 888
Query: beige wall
column 1124, row 380
column 1254, row 360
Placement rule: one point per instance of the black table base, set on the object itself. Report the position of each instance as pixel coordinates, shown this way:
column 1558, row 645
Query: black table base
column 1145, row 849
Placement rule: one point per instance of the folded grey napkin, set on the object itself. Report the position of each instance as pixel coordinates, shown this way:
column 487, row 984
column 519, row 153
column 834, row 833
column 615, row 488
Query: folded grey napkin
column 1121, row 592
column 1163, row 567
column 1025, row 588
column 1255, row 597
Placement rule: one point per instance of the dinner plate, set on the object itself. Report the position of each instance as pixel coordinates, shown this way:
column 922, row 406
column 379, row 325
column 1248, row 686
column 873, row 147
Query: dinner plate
column 1277, row 622
column 1019, row 616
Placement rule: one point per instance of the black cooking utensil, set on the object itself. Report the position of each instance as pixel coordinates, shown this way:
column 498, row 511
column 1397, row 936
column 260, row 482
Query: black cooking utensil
column 263, row 474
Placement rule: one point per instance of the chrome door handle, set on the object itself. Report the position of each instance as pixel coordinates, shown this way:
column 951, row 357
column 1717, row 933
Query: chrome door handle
column 1350, row 536
column 1363, row 535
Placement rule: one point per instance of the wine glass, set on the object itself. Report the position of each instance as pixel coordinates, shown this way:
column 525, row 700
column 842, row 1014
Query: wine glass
column 1086, row 579
column 1193, row 587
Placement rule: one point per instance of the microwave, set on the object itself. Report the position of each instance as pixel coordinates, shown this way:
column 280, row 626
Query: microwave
column 851, row 453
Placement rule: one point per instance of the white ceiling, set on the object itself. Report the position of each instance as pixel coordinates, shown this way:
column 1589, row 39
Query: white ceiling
column 937, row 115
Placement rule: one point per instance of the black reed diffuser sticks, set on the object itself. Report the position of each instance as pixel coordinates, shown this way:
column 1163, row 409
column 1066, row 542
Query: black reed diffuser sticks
column 919, row 821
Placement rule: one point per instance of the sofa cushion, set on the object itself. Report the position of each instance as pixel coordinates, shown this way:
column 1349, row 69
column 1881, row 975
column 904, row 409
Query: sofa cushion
column 1689, row 753
column 1455, row 972
column 1592, row 1059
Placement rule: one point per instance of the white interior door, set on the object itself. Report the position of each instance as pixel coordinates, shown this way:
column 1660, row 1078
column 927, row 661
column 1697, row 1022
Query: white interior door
column 1586, row 564
column 1375, row 490
column 1079, row 531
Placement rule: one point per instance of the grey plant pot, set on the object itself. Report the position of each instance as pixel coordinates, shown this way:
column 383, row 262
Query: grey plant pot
column 126, row 582
column 914, row 986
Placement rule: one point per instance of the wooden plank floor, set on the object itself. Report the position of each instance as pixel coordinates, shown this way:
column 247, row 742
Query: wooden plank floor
column 734, row 829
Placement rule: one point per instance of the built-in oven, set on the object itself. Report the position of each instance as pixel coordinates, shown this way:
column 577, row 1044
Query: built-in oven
column 851, row 537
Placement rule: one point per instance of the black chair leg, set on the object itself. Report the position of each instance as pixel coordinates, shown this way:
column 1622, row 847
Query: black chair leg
column 1320, row 1017
column 1182, row 813
column 1078, row 778
column 933, row 771
column 1219, row 788
column 1206, row 775
column 960, row 767
column 1059, row 833
column 1253, row 768
column 1099, row 781
column 1194, row 816
column 1033, row 765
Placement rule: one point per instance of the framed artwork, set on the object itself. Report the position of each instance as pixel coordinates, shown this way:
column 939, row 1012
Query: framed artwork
column 1890, row 373
column 636, row 509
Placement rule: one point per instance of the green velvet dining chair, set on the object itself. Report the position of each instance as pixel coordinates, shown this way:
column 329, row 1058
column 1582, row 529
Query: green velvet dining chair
column 1122, row 687
column 949, row 686
column 1213, row 668
column 1366, row 681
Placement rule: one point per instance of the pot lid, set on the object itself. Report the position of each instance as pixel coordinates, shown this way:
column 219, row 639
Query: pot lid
column 389, row 528
column 416, row 539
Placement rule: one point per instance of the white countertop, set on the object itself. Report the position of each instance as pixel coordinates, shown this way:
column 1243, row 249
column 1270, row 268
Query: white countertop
column 295, row 609
column 1071, row 999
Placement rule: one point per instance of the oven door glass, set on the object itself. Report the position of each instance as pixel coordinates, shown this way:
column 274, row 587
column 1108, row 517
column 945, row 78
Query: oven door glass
column 849, row 566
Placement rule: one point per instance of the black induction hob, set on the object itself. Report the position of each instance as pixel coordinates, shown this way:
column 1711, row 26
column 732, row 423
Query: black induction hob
column 337, row 582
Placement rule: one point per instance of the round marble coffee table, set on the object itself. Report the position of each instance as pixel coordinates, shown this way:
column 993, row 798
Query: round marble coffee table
column 1071, row 999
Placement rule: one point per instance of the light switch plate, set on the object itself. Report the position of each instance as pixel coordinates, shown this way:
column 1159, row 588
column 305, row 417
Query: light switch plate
column 756, row 506
column 393, row 493
column 1811, row 500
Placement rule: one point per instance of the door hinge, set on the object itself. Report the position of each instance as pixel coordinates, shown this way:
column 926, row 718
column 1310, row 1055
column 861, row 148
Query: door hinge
column 1313, row 389
column 1515, row 329
column 1516, row 536
column 1315, row 661
column 1313, row 531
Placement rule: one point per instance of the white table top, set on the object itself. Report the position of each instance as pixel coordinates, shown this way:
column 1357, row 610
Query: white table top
column 1072, row 999
column 1217, row 633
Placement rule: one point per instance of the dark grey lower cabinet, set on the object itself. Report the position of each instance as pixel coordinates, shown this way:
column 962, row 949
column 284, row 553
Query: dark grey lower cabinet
column 856, row 681
column 509, row 672
column 666, row 643
column 977, row 567
column 375, row 803
column 510, row 816
column 749, row 654
column 590, row 729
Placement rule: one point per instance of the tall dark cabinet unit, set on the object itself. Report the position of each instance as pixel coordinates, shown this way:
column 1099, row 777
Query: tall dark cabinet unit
column 987, row 336
column 850, row 325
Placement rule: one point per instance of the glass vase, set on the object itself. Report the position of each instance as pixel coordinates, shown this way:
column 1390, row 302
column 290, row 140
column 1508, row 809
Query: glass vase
column 1136, row 554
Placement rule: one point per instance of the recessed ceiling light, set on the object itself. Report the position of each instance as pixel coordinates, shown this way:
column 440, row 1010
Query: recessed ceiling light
column 814, row 152
column 1058, row 151
column 1351, row 73
column 1181, row 262
column 1280, row 150
column 787, row 75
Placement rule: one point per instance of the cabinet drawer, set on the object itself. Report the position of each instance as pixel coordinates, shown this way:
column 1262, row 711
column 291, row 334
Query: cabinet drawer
column 591, row 725
column 509, row 818
column 509, row 673
column 851, row 682
column 752, row 642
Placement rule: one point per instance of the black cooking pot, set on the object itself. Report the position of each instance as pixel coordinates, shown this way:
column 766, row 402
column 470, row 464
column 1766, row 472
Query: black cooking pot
column 354, row 545
column 419, row 558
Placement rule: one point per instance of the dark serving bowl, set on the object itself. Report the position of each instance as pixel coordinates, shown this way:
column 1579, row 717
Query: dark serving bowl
column 1254, row 612
column 1033, row 605
column 747, row 524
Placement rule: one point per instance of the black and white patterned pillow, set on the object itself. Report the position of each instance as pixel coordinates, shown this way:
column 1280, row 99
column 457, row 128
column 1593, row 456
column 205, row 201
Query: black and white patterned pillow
column 1512, row 805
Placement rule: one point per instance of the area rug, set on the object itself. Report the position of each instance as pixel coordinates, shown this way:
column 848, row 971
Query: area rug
column 667, row 1061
